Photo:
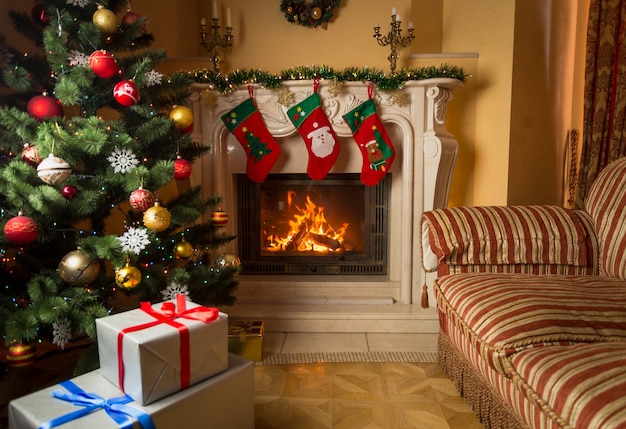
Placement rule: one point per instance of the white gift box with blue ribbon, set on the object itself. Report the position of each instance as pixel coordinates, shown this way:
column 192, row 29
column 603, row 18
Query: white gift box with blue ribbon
column 90, row 401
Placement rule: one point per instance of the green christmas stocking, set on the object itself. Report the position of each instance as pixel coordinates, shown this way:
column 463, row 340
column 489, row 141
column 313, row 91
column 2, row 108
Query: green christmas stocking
column 319, row 137
column 372, row 139
column 246, row 124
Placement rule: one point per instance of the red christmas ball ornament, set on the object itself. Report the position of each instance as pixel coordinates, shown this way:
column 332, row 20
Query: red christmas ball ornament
column 131, row 17
column 40, row 15
column 30, row 155
column 21, row 230
column 103, row 64
column 21, row 354
column 43, row 107
column 182, row 169
column 219, row 218
column 126, row 93
column 69, row 192
column 141, row 199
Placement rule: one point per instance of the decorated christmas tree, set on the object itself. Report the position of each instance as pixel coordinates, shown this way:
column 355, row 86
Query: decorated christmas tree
column 95, row 154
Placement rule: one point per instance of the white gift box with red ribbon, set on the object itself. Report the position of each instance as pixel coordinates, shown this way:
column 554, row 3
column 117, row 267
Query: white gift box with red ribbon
column 157, row 350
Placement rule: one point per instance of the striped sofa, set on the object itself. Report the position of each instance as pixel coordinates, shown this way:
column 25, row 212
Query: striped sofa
column 532, row 308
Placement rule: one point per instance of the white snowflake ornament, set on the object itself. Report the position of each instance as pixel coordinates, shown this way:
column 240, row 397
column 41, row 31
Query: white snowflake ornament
column 123, row 160
column 61, row 332
column 134, row 240
column 153, row 78
column 173, row 289
column 79, row 3
column 78, row 58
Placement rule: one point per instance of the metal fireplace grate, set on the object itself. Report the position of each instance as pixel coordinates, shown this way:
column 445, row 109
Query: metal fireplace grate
column 371, row 260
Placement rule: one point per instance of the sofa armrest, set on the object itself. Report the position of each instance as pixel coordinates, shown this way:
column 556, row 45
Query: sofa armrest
column 540, row 239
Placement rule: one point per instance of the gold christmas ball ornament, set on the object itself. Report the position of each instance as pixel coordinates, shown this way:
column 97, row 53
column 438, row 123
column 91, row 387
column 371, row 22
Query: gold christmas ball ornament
column 157, row 218
column 227, row 260
column 78, row 269
column 316, row 13
column 183, row 250
column 21, row 354
column 128, row 277
column 181, row 116
column 219, row 218
column 105, row 19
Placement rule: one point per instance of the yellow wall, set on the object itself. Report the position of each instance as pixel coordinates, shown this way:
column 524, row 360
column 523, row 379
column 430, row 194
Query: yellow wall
column 512, row 116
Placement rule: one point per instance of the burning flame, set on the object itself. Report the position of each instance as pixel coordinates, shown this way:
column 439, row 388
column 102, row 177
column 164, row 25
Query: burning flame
column 309, row 231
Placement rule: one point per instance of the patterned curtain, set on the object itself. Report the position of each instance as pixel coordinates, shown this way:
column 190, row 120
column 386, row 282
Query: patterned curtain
column 604, row 136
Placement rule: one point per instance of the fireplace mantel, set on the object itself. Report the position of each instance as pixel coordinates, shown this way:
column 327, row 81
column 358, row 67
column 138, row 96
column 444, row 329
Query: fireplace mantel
column 425, row 156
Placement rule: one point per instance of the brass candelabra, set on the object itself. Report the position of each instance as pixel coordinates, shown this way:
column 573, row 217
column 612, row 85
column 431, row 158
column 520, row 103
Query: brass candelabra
column 213, row 42
column 394, row 38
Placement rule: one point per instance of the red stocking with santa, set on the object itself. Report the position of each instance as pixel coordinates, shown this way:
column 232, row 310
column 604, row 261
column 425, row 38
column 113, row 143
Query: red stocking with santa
column 319, row 137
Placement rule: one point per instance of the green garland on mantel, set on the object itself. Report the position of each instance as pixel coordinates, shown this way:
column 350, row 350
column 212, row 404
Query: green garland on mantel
column 384, row 82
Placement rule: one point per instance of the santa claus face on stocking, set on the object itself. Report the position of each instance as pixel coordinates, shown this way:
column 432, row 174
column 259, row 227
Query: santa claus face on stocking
column 322, row 141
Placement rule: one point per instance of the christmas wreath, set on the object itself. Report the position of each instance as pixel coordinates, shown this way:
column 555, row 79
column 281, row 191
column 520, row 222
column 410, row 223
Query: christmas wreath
column 311, row 14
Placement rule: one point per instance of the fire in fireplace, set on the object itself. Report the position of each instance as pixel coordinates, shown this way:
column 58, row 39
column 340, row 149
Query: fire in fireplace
column 291, row 224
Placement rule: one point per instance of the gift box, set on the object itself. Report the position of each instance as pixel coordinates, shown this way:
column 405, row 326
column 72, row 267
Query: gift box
column 246, row 339
column 223, row 401
column 157, row 350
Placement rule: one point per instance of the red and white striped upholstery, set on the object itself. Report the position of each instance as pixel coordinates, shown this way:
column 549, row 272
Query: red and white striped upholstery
column 512, row 239
column 606, row 204
column 501, row 314
column 533, row 300
column 578, row 386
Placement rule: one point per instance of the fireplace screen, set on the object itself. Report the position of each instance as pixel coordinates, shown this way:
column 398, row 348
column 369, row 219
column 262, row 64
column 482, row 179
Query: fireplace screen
column 293, row 225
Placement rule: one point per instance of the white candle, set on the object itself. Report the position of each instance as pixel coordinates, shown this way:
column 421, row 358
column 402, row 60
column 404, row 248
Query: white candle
column 203, row 21
column 410, row 25
column 398, row 17
column 228, row 21
column 393, row 11
column 214, row 9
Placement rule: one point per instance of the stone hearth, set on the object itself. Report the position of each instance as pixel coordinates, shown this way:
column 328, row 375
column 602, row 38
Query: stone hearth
column 421, row 174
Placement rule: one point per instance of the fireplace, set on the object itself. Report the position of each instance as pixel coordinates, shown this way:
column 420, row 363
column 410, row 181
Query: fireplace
column 290, row 224
column 382, row 263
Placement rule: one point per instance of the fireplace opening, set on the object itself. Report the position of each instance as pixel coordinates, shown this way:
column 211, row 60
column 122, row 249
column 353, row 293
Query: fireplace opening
column 290, row 224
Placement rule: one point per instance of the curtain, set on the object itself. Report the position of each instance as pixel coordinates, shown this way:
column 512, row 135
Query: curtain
column 603, row 136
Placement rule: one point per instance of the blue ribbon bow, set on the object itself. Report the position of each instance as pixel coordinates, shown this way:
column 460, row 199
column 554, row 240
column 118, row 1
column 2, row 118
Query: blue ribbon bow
column 114, row 407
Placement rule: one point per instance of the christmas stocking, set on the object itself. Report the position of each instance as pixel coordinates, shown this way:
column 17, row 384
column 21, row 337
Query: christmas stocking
column 246, row 124
column 371, row 137
column 319, row 136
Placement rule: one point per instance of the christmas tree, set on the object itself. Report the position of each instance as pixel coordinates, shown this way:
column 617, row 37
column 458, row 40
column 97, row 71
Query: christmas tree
column 95, row 150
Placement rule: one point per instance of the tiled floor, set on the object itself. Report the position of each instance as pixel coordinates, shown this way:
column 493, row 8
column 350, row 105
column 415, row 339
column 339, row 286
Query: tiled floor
column 312, row 342
column 385, row 395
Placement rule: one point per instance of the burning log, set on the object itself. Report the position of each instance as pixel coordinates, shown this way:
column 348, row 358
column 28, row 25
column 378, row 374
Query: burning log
column 298, row 237
column 323, row 240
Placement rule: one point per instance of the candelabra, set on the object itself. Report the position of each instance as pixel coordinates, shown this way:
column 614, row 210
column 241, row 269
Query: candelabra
column 212, row 41
column 394, row 38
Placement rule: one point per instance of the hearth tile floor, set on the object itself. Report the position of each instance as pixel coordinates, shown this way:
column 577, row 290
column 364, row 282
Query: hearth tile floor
column 332, row 342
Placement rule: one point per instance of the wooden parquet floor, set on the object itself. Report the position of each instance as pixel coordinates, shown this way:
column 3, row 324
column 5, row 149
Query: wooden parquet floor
column 368, row 395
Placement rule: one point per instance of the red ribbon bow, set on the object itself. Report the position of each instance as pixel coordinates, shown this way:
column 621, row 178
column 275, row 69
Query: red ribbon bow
column 169, row 312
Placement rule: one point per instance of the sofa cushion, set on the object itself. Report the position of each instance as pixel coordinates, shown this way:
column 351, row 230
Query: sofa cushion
column 502, row 314
column 606, row 204
column 578, row 386
column 530, row 239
